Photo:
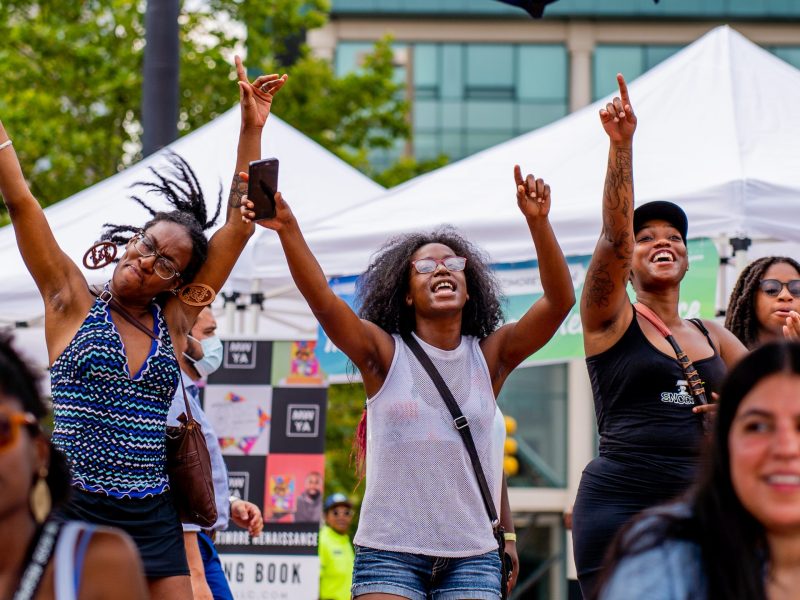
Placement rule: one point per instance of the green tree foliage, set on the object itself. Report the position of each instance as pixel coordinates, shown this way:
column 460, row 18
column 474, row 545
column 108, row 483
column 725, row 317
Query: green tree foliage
column 345, row 405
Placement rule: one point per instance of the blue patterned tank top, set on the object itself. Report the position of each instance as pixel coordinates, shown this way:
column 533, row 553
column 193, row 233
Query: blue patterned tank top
column 111, row 425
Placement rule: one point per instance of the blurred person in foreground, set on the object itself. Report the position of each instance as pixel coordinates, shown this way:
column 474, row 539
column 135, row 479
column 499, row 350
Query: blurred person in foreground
column 45, row 558
column 202, row 357
column 736, row 535
column 336, row 556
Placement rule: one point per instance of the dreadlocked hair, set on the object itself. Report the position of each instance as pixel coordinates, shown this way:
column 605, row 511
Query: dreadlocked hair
column 381, row 295
column 178, row 184
column 740, row 318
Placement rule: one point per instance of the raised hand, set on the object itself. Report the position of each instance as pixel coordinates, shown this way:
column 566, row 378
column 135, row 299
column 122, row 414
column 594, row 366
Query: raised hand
column 256, row 97
column 533, row 195
column 791, row 331
column 283, row 214
column 617, row 117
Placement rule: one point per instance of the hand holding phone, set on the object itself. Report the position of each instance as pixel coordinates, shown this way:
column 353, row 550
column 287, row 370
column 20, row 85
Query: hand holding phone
column 261, row 187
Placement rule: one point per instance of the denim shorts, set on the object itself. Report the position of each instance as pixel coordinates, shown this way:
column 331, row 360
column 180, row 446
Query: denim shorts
column 420, row 577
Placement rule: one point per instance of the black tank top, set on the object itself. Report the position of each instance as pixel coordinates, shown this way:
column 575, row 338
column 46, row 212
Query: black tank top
column 641, row 400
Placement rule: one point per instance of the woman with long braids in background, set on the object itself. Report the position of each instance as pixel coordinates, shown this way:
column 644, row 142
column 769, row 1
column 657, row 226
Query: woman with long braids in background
column 765, row 302
column 424, row 530
column 46, row 559
column 112, row 383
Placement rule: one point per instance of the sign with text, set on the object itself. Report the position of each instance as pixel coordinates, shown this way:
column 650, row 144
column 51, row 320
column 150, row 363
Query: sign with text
column 267, row 407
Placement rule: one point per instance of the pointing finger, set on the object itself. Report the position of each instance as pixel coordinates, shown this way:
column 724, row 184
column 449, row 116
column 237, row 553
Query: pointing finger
column 518, row 175
column 623, row 89
column 240, row 72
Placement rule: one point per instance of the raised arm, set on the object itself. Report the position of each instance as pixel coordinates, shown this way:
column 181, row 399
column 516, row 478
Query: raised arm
column 512, row 343
column 604, row 297
column 367, row 345
column 53, row 271
column 225, row 246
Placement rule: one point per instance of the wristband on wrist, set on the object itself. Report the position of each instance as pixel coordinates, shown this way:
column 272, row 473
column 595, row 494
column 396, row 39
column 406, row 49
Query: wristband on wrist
column 232, row 499
column 510, row 536
column 6, row 144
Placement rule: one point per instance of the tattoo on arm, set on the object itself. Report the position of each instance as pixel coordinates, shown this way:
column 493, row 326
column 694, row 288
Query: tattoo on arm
column 238, row 190
column 598, row 286
column 618, row 204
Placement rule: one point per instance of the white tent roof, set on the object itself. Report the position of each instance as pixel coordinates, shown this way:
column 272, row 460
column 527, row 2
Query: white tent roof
column 718, row 132
column 318, row 182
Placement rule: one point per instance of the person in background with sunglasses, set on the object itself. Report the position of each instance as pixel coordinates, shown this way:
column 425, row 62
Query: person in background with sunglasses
column 44, row 558
column 114, row 369
column 424, row 529
column 765, row 302
column 335, row 550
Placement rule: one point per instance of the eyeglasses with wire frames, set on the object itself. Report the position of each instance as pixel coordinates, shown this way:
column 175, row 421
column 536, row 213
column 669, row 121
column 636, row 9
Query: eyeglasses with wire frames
column 773, row 287
column 10, row 424
column 162, row 266
column 428, row 265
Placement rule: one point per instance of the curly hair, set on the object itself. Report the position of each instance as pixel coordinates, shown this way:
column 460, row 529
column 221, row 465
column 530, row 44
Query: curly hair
column 20, row 381
column 740, row 318
column 382, row 289
column 179, row 185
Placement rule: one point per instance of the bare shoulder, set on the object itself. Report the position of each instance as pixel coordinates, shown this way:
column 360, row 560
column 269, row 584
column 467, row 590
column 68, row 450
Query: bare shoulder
column 112, row 568
column 730, row 347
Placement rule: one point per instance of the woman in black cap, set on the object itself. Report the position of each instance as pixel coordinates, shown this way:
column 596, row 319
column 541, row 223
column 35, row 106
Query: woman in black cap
column 649, row 418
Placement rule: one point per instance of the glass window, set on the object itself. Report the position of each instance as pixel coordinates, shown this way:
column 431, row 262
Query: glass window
column 490, row 66
column 537, row 398
column 350, row 55
column 630, row 60
column 788, row 53
column 542, row 73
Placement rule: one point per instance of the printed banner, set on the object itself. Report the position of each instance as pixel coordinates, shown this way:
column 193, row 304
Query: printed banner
column 267, row 405
column 522, row 287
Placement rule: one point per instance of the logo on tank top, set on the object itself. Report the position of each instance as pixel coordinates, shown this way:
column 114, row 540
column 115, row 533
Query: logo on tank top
column 682, row 396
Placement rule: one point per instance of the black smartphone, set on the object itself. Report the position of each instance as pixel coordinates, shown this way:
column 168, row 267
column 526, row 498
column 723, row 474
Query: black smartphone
column 261, row 187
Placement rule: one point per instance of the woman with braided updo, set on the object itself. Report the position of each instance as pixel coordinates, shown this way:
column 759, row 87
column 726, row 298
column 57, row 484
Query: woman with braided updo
column 114, row 369
column 765, row 302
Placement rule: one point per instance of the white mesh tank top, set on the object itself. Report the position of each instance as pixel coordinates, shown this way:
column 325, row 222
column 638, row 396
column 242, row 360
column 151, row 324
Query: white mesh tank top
column 422, row 496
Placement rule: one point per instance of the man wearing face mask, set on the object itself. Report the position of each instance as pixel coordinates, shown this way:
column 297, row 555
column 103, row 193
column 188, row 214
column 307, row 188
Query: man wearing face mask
column 202, row 357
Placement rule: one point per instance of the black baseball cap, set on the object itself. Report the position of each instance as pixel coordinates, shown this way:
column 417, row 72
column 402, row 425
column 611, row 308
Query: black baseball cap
column 663, row 211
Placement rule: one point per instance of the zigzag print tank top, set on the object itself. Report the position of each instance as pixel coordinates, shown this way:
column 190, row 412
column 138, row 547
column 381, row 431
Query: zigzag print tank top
column 111, row 425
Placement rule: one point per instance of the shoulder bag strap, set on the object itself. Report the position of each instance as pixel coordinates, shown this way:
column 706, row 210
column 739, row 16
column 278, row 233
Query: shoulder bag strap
column 692, row 376
column 37, row 561
column 459, row 421
column 105, row 295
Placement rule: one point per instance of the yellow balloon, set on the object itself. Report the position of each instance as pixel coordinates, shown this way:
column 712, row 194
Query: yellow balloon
column 511, row 425
column 510, row 466
column 511, row 446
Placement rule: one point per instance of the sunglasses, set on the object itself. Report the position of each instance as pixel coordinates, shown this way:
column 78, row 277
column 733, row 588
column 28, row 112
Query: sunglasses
column 773, row 287
column 10, row 424
column 428, row 265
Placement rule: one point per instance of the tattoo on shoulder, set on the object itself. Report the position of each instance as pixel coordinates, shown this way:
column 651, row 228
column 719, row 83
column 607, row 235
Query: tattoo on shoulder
column 238, row 191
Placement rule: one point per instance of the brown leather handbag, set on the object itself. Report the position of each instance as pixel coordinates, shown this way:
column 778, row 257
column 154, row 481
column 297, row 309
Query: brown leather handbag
column 188, row 462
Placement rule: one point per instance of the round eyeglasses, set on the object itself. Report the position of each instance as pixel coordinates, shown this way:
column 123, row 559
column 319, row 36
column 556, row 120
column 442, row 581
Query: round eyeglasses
column 162, row 266
column 428, row 265
column 773, row 287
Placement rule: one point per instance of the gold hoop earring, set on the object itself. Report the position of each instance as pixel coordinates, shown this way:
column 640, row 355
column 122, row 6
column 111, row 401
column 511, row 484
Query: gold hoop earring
column 40, row 500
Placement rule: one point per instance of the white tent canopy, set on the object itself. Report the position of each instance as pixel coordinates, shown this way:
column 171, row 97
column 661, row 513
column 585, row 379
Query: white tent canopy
column 321, row 183
column 718, row 133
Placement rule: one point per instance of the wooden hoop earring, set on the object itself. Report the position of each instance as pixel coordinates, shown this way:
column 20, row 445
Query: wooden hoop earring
column 100, row 255
column 196, row 294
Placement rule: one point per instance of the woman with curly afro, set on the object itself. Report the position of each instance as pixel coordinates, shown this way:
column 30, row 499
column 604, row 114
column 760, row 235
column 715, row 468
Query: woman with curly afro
column 423, row 528
column 765, row 302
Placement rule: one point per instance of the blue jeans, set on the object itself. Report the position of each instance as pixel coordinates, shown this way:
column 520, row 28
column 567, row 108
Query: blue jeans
column 420, row 577
column 215, row 577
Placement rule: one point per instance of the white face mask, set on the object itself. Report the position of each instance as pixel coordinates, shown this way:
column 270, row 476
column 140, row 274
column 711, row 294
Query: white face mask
column 212, row 355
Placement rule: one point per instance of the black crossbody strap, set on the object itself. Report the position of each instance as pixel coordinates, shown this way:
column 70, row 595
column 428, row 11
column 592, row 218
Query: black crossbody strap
column 39, row 556
column 459, row 422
